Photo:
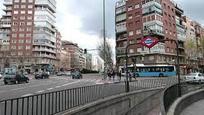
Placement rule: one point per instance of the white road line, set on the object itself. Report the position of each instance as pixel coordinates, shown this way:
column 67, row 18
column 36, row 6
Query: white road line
column 58, row 86
column 29, row 94
column 70, row 83
column 40, row 91
column 49, row 88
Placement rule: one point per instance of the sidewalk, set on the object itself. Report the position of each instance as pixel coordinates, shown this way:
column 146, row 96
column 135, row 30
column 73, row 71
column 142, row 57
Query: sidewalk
column 155, row 111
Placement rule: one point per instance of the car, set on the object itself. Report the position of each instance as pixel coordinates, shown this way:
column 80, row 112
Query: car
column 15, row 78
column 60, row 73
column 41, row 75
column 1, row 76
column 194, row 77
column 76, row 75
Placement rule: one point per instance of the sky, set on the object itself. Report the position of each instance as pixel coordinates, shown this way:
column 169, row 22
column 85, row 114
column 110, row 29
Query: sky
column 80, row 21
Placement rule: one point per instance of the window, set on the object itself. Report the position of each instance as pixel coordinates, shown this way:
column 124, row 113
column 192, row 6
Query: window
column 22, row 17
column 13, row 47
column 130, row 16
column 23, row 12
column 21, row 41
column 29, row 17
column 20, row 47
column 21, row 35
column 23, row 6
column 20, row 53
column 30, row 6
column 22, row 29
column 30, row 11
column 130, row 8
column 16, row 6
column 30, row 1
column 23, row 1
column 28, row 41
column 28, row 35
column 14, row 35
column 29, row 23
column 16, row 0
column 13, row 41
column 29, row 29
column 22, row 23
column 131, row 33
column 27, row 47
column 15, row 12
column 137, row 6
column 15, row 18
column 138, row 31
column 14, row 29
column 131, row 51
column 13, row 53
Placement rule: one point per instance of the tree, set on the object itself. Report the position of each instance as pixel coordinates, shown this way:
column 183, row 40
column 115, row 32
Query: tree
column 108, row 52
column 190, row 47
column 202, row 45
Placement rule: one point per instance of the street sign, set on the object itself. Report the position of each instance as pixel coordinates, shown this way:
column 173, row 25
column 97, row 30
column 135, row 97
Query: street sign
column 149, row 42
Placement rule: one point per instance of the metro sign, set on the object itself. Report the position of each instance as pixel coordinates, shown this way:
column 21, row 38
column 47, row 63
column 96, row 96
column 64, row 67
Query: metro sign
column 149, row 42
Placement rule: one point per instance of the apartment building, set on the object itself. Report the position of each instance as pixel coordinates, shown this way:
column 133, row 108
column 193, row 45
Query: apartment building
column 28, row 26
column 160, row 19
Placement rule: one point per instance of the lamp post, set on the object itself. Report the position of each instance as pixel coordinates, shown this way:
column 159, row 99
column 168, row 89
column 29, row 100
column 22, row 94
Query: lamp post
column 104, row 37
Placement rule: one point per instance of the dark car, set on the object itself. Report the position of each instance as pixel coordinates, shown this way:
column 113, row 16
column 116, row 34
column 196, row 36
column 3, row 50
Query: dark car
column 15, row 78
column 42, row 75
column 76, row 75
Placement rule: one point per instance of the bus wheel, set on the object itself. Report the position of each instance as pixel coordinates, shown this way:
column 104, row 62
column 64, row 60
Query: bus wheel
column 161, row 75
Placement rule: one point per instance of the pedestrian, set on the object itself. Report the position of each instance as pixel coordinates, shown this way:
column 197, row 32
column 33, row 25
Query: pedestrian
column 119, row 75
column 113, row 74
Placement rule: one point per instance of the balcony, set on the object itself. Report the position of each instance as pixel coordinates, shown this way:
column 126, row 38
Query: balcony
column 121, row 18
column 121, row 27
column 120, row 10
column 8, row 2
column 44, row 50
column 8, row 9
column 152, row 3
column 5, row 25
column 6, row 19
column 120, row 3
column 50, row 3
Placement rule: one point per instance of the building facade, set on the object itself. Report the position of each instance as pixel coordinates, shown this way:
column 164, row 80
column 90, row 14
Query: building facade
column 160, row 19
column 29, row 28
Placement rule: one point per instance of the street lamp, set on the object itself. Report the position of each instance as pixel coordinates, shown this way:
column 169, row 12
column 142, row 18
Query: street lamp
column 104, row 37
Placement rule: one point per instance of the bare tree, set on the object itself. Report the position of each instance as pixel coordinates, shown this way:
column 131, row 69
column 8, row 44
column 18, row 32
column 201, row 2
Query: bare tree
column 190, row 48
column 108, row 52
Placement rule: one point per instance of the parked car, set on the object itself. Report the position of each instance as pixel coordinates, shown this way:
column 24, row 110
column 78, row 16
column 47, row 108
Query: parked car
column 41, row 75
column 15, row 78
column 1, row 76
column 195, row 77
column 76, row 75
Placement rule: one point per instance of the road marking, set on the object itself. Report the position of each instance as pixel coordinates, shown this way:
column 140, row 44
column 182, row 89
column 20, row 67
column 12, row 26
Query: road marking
column 58, row 86
column 29, row 94
column 49, row 88
column 70, row 83
column 40, row 91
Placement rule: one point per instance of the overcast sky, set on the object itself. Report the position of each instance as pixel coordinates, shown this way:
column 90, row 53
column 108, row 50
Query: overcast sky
column 80, row 21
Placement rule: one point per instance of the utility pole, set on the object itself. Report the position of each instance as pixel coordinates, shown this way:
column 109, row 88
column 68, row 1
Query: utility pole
column 104, row 37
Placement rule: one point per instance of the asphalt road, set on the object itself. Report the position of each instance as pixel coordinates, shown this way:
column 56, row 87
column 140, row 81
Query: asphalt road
column 54, row 83
column 44, row 104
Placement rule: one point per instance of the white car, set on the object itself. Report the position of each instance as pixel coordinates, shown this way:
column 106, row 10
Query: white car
column 195, row 77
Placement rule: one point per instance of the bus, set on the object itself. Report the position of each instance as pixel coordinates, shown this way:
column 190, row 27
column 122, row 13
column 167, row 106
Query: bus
column 151, row 70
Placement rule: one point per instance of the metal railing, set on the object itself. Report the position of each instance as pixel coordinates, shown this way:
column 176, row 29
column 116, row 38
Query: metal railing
column 54, row 102
column 171, row 94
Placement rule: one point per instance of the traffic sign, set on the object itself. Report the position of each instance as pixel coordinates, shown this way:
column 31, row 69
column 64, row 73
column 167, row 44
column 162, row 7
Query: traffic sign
column 149, row 42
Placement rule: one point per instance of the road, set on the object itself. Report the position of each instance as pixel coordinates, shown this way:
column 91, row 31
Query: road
column 55, row 102
column 54, row 83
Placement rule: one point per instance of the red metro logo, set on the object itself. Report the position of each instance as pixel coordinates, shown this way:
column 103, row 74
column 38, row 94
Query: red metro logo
column 149, row 42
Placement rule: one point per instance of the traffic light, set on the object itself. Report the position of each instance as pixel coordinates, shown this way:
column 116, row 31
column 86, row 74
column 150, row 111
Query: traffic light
column 85, row 51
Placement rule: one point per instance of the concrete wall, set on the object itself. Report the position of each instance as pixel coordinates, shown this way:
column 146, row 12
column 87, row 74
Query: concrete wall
column 181, row 103
column 123, row 104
